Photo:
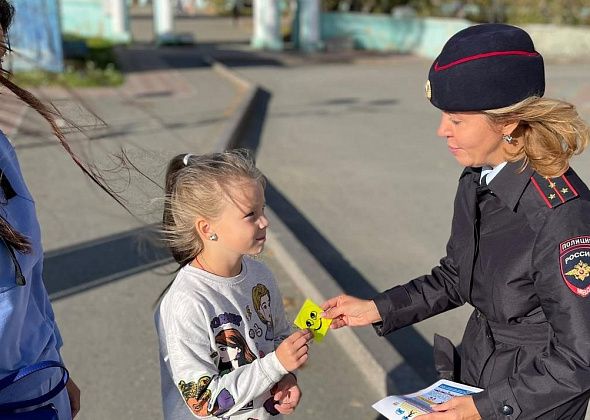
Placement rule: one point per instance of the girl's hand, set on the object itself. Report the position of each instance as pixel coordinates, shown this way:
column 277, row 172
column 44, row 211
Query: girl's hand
column 458, row 408
column 74, row 396
column 349, row 311
column 287, row 394
column 292, row 352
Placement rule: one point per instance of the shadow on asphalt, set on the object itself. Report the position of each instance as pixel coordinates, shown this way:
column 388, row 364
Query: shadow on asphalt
column 74, row 269
column 147, row 57
column 414, row 349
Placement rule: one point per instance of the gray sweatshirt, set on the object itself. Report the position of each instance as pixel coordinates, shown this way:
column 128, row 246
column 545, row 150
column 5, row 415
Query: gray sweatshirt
column 218, row 338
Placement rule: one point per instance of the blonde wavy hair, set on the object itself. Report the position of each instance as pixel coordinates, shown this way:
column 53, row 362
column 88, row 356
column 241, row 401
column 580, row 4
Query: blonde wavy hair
column 549, row 133
column 198, row 185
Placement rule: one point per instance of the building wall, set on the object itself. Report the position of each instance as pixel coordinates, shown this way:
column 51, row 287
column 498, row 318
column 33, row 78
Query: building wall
column 388, row 33
column 426, row 36
column 90, row 18
column 36, row 37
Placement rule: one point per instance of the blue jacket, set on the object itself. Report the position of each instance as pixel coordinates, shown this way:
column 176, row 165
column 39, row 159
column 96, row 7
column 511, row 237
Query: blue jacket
column 28, row 331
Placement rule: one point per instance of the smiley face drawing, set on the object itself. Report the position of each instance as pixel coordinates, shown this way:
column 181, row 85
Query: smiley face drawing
column 309, row 318
column 314, row 322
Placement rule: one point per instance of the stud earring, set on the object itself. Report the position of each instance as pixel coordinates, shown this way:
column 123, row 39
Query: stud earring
column 507, row 138
column 213, row 237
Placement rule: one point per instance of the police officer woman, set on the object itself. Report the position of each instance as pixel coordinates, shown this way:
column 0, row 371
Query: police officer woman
column 519, row 250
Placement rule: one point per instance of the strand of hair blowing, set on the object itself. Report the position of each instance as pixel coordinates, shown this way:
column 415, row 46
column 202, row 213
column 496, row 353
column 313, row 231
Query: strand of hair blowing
column 8, row 234
column 6, row 15
column 12, row 237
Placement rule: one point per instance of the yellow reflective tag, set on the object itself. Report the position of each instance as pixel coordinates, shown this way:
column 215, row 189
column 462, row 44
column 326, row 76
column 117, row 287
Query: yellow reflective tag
column 309, row 318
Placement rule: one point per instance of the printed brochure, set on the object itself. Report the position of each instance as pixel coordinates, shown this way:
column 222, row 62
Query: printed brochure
column 405, row 407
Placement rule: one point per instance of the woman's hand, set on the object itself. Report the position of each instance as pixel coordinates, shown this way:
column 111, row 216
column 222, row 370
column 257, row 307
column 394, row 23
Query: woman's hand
column 458, row 408
column 74, row 396
column 292, row 352
column 287, row 394
column 349, row 311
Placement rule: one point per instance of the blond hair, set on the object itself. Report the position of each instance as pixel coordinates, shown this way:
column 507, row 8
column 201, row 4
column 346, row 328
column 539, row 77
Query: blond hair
column 199, row 186
column 549, row 133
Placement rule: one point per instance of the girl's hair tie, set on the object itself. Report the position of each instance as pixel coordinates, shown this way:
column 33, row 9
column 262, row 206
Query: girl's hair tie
column 185, row 158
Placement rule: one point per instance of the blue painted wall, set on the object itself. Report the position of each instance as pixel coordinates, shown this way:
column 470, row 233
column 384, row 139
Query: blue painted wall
column 89, row 18
column 85, row 17
column 36, row 37
column 387, row 33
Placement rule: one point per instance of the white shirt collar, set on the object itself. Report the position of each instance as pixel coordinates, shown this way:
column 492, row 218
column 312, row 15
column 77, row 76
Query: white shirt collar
column 490, row 172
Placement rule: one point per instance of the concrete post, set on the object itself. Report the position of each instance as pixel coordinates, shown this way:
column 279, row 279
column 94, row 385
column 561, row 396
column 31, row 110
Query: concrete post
column 119, row 20
column 308, row 13
column 163, row 21
column 267, row 25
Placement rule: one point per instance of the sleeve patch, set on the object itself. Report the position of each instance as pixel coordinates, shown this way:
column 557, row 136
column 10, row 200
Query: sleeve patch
column 574, row 261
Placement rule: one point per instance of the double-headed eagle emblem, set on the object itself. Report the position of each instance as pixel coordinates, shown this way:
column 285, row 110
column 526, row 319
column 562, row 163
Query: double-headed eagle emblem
column 580, row 271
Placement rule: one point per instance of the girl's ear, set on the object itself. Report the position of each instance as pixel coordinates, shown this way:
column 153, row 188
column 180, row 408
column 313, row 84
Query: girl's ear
column 203, row 227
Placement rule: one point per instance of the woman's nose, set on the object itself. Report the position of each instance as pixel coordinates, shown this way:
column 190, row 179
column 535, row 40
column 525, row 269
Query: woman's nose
column 443, row 127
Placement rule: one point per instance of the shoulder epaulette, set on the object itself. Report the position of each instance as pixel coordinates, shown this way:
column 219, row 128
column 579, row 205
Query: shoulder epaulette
column 554, row 191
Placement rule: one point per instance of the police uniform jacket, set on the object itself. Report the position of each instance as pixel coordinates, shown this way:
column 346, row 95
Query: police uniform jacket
column 519, row 253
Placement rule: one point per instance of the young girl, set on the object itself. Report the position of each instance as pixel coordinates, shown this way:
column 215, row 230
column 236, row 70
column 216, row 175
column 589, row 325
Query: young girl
column 215, row 360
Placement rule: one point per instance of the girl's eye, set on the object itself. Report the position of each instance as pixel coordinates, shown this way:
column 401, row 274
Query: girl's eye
column 249, row 215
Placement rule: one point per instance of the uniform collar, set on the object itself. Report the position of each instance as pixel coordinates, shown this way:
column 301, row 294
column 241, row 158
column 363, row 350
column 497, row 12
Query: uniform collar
column 509, row 183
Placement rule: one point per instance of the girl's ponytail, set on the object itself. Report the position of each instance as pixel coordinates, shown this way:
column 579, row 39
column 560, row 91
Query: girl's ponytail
column 177, row 163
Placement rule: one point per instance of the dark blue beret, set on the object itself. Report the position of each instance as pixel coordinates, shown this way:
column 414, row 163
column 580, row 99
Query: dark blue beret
column 485, row 66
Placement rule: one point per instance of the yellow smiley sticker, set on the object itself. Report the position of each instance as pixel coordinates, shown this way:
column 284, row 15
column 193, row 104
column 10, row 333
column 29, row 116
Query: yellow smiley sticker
column 309, row 318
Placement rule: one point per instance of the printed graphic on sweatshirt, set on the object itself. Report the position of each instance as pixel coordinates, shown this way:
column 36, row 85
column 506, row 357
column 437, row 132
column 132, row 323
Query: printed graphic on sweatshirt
column 262, row 306
column 223, row 403
column 224, row 319
column 196, row 395
column 233, row 350
column 269, row 404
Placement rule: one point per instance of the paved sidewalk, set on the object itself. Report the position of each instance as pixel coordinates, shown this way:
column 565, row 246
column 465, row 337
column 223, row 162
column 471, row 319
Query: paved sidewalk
column 358, row 174
column 101, row 270
column 348, row 143
column 99, row 265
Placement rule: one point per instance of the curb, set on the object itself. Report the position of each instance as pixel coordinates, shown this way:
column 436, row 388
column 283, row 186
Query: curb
column 383, row 366
column 231, row 134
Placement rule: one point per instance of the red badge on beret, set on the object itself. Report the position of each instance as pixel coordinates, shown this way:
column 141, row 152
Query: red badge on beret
column 574, row 260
